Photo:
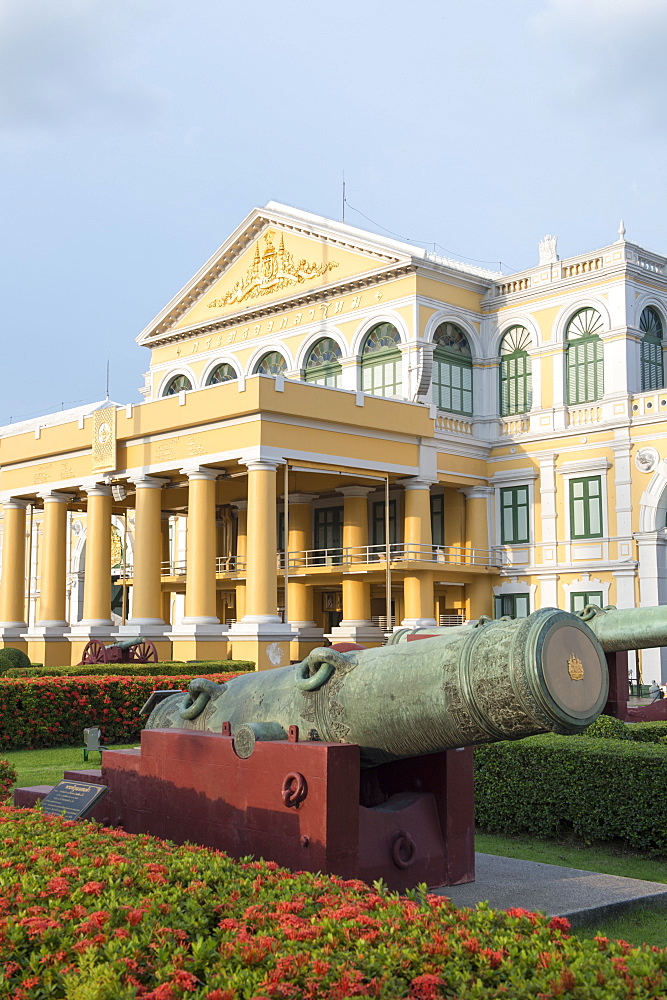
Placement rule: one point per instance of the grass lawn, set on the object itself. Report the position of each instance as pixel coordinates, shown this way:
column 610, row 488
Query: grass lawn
column 45, row 767
column 642, row 926
column 612, row 859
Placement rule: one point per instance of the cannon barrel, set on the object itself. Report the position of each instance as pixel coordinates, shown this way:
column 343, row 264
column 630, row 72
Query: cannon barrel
column 616, row 629
column 500, row 680
column 627, row 628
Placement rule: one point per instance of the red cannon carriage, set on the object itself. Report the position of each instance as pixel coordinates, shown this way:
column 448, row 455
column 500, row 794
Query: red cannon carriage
column 123, row 651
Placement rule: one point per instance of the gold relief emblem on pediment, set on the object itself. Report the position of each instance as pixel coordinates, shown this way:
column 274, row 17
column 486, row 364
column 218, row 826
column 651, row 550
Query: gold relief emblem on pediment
column 272, row 270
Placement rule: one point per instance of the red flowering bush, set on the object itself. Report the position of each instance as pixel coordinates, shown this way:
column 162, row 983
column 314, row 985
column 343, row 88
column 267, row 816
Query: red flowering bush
column 7, row 779
column 53, row 711
column 88, row 913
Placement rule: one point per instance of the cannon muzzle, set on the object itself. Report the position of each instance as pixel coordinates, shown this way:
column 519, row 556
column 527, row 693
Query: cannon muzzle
column 627, row 628
column 499, row 680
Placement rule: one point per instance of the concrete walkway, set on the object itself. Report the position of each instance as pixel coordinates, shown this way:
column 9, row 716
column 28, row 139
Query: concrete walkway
column 583, row 897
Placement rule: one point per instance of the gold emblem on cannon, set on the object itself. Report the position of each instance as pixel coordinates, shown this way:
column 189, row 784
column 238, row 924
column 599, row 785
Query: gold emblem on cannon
column 575, row 667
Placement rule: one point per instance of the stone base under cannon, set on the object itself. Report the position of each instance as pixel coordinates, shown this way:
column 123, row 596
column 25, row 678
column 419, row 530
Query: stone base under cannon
column 307, row 806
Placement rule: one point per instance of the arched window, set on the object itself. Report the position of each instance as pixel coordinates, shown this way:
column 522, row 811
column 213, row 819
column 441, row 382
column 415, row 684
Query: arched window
column 381, row 361
column 585, row 374
column 221, row 373
column 322, row 365
column 651, row 352
column 452, row 370
column 516, row 389
column 271, row 364
column 179, row 383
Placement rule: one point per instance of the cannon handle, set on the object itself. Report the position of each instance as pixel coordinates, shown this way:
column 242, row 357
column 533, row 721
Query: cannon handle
column 200, row 692
column 313, row 672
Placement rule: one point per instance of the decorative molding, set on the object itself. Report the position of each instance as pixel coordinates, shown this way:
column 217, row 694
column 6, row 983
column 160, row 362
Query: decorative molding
column 271, row 271
column 646, row 459
column 598, row 463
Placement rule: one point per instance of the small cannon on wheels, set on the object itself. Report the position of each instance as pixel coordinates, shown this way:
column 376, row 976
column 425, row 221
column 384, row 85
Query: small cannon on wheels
column 124, row 651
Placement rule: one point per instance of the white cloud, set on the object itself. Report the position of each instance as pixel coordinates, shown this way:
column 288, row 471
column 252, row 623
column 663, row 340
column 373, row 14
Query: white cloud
column 71, row 61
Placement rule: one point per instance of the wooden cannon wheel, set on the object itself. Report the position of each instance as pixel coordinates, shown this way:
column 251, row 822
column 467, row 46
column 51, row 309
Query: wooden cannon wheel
column 94, row 652
column 143, row 652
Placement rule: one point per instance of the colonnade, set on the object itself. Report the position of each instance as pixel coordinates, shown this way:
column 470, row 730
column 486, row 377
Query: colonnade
column 256, row 589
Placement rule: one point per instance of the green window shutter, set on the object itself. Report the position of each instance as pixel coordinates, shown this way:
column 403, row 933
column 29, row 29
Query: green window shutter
column 381, row 376
column 512, row 606
column 515, row 372
column 585, row 358
column 514, row 519
column 378, row 522
column 453, row 386
column 579, row 601
column 585, row 371
column 586, row 507
column 652, row 364
column 437, row 519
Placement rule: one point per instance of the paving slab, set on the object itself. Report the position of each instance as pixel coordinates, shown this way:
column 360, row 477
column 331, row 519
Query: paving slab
column 583, row 897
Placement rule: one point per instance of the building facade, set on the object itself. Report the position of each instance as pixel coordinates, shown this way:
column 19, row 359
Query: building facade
column 340, row 433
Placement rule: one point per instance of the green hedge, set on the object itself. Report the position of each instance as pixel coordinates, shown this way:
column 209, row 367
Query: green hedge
column 94, row 914
column 7, row 779
column 647, row 732
column 53, row 711
column 174, row 669
column 602, row 789
column 607, row 727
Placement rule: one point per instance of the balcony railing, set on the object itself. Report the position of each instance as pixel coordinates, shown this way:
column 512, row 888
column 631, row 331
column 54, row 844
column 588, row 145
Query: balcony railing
column 368, row 556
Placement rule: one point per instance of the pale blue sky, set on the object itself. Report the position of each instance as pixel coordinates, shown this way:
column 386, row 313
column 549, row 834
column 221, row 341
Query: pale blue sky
column 136, row 135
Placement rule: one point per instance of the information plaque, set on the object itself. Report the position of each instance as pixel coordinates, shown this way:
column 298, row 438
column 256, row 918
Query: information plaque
column 73, row 799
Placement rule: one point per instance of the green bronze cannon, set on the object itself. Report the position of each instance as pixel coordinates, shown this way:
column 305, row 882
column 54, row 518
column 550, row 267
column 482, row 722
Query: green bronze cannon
column 494, row 680
column 615, row 629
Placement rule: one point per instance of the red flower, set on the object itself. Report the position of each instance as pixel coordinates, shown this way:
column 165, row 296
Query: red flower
column 92, row 888
column 425, row 987
column 58, row 887
column 559, row 924
column 495, row 958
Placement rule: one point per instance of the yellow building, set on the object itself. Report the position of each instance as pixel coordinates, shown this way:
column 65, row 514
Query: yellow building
column 340, row 429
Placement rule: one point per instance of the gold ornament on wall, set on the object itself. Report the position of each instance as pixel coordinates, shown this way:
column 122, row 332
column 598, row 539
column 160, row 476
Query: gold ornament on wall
column 104, row 439
column 116, row 548
column 272, row 270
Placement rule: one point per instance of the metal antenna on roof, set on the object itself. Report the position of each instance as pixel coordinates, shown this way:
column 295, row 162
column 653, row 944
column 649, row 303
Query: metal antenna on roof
column 107, row 396
column 343, row 196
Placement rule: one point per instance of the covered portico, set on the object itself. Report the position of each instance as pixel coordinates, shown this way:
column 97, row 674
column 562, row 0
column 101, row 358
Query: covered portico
column 260, row 489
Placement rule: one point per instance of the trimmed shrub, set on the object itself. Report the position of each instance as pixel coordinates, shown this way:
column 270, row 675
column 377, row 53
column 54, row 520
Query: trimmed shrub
column 602, row 789
column 53, row 711
column 202, row 669
column 7, row 779
column 10, row 657
column 647, row 732
column 95, row 914
column 609, row 728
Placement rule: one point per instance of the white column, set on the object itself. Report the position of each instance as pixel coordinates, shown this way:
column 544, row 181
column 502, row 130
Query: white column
column 548, row 517
column 652, row 546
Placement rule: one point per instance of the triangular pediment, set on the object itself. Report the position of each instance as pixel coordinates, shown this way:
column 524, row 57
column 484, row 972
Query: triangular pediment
column 274, row 257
